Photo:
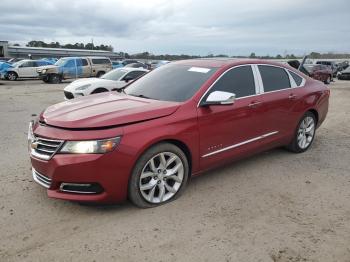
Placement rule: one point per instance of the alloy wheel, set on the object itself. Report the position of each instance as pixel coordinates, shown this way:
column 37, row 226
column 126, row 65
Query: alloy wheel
column 161, row 177
column 306, row 132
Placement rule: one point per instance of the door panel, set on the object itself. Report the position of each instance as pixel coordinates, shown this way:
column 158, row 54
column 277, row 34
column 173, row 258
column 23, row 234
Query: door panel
column 226, row 130
column 221, row 127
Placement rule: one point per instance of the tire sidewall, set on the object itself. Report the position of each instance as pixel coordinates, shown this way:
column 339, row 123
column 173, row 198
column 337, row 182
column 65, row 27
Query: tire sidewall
column 134, row 192
column 14, row 74
column 295, row 144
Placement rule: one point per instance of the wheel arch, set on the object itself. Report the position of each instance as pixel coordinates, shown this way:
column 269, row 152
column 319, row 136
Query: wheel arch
column 180, row 144
column 315, row 113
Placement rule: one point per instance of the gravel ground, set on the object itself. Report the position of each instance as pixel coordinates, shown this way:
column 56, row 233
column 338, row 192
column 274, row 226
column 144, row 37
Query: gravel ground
column 275, row 206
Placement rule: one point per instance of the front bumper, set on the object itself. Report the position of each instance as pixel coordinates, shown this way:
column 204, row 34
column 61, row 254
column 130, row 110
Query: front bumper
column 98, row 169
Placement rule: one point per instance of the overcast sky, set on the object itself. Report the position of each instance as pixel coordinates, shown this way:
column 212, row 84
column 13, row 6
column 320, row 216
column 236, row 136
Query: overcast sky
column 183, row 26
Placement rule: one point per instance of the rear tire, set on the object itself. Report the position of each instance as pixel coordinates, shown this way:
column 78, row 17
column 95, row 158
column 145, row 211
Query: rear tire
column 99, row 74
column 12, row 76
column 304, row 134
column 159, row 176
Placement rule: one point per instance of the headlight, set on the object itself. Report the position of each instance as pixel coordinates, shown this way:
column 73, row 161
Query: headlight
column 83, row 87
column 44, row 71
column 90, row 147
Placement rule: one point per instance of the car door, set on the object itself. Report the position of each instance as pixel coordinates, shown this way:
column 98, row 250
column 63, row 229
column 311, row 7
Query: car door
column 86, row 68
column 27, row 69
column 278, row 97
column 69, row 69
column 227, row 130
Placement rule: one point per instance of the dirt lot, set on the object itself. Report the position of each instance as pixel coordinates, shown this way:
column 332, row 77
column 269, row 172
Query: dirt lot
column 276, row 206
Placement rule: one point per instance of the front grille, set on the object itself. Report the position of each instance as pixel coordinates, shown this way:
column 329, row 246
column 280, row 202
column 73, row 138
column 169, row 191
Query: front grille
column 44, row 148
column 68, row 95
column 41, row 179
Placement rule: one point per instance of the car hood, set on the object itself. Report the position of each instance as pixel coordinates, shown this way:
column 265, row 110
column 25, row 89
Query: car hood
column 96, row 82
column 105, row 110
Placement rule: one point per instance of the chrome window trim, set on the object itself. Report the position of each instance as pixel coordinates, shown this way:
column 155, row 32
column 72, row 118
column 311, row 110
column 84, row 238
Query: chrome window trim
column 229, row 69
column 289, row 75
column 241, row 143
column 259, row 86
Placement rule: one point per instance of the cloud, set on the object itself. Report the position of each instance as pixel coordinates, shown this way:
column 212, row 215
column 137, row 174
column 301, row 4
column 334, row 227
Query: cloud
column 192, row 27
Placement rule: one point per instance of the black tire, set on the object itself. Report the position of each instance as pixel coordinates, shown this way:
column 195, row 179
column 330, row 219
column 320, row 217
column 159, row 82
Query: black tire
column 328, row 80
column 99, row 74
column 294, row 145
column 12, row 76
column 46, row 79
column 134, row 192
column 55, row 79
column 99, row 90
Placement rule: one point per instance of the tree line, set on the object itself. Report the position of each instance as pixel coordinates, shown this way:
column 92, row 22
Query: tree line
column 88, row 46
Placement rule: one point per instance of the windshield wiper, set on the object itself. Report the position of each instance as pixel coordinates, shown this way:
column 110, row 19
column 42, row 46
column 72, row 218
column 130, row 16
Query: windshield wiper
column 143, row 96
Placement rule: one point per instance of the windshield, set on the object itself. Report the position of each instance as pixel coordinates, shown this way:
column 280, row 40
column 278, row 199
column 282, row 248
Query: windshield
column 61, row 62
column 114, row 75
column 17, row 64
column 170, row 82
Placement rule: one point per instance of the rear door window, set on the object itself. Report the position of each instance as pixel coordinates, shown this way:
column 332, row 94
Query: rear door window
column 274, row 78
column 239, row 81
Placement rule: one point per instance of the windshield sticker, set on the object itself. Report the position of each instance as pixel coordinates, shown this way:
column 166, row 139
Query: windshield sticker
column 199, row 70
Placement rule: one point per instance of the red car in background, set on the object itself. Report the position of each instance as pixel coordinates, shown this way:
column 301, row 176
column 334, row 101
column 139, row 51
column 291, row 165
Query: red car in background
column 173, row 123
column 320, row 72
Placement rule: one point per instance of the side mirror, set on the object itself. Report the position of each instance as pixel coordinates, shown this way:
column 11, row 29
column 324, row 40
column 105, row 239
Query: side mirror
column 220, row 98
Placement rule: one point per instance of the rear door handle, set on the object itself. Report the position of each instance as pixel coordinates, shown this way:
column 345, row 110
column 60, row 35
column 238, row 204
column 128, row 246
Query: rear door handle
column 255, row 104
column 292, row 96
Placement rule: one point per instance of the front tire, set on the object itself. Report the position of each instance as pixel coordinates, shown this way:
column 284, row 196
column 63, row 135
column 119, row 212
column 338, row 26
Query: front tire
column 159, row 176
column 55, row 79
column 12, row 76
column 304, row 134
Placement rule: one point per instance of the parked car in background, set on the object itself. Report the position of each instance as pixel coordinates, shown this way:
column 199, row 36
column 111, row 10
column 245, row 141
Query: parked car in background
column 23, row 69
column 75, row 67
column 113, row 80
column 344, row 75
column 3, row 67
column 331, row 64
column 173, row 123
column 137, row 65
column 117, row 64
column 156, row 64
column 129, row 61
column 320, row 72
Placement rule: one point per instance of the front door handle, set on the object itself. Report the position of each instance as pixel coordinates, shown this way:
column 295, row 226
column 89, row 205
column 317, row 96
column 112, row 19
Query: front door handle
column 255, row 104
column 292, row 96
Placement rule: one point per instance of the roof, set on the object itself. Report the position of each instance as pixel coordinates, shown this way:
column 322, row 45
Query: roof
column 225, row 62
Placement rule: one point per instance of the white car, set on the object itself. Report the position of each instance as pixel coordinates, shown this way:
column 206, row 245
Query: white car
column 24, row 69
column 113, row 80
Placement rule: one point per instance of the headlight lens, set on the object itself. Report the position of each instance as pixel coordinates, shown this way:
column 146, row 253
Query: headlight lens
column 90, row 147
column 44, row 71
column 83, row 87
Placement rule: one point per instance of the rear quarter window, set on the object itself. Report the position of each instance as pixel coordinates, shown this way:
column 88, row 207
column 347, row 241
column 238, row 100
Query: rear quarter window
column 100, row 61
column 298, row 80
column 274, row 78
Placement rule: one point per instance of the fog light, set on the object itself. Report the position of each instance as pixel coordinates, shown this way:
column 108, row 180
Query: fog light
column 78, row 188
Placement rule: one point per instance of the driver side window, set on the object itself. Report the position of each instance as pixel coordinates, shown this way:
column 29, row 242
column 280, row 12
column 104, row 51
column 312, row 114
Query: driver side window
column 239, row 80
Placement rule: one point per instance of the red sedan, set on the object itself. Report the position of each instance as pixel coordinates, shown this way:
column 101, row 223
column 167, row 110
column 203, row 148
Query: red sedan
column 173, row 123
